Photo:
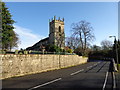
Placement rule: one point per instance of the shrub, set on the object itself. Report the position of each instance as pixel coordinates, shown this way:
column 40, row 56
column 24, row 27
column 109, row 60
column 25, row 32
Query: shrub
column 53, row 48
column 69, row 51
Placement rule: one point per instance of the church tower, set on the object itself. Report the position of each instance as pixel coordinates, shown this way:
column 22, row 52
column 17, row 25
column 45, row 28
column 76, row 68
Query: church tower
column 56, row 32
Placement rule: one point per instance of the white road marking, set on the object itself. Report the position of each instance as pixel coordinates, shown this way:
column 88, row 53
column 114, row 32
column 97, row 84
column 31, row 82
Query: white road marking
column 105, row 81
column 114, row 83
column 77, row 72
column 89, row 67
column 95, row 64
column 45, row 84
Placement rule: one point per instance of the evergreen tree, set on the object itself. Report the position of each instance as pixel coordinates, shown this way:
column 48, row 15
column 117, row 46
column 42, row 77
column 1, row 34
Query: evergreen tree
column 119, row 51
column 9, row 37
column 0, row 25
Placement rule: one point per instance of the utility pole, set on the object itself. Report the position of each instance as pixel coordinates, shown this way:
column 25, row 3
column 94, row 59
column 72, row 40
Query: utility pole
column 116, row 51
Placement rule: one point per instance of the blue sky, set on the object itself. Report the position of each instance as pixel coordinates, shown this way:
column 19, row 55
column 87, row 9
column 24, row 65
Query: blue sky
column 32, row 18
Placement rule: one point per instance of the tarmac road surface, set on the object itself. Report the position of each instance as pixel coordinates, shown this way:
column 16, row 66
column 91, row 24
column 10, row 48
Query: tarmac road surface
column 92, row 75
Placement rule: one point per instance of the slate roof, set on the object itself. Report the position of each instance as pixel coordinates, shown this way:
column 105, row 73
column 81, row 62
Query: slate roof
column 45, row 39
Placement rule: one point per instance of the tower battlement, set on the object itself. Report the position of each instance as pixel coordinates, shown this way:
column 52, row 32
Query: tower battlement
column 56, row 20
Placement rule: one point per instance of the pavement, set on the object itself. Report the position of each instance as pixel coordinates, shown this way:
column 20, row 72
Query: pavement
column 117, row 75
column 94, row 75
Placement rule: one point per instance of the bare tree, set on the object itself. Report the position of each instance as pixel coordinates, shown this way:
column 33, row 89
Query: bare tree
column 84, row 32
column 72, row 42
column 95, row 48
column 106, row 44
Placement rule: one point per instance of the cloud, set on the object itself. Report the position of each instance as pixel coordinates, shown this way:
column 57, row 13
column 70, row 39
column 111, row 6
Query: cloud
column 26, row 36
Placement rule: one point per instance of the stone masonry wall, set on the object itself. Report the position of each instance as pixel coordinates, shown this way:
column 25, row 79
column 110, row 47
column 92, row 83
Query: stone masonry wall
column 18, row 65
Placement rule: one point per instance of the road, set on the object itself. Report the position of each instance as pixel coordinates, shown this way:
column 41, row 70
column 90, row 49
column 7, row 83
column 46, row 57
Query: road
column 92, row 75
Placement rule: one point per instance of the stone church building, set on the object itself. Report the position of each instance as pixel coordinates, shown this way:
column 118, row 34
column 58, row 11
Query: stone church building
column 56, row 35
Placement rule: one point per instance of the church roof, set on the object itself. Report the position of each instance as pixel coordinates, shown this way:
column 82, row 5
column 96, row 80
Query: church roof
column 45, row 39
column 42, row 40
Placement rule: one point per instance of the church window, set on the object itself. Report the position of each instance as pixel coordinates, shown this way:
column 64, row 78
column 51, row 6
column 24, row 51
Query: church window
column 59, row 29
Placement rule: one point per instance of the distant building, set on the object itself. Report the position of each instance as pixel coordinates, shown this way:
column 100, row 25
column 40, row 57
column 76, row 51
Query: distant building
column 56, row 35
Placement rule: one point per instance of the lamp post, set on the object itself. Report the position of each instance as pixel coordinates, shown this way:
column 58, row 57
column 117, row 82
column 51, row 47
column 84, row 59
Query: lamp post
column 116, row 51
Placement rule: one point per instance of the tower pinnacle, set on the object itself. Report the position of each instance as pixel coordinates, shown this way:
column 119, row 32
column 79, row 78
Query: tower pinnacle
column 54, row 17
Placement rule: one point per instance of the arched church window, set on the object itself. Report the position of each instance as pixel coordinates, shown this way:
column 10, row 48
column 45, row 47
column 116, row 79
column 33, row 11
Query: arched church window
column 59, row 29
